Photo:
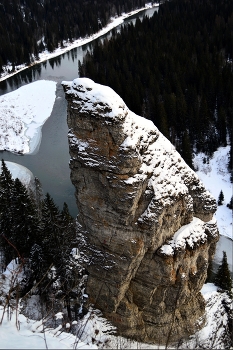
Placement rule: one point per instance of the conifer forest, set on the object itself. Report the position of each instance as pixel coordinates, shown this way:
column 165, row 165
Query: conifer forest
column 28, row 26
column 36, row 232
column 175, row 69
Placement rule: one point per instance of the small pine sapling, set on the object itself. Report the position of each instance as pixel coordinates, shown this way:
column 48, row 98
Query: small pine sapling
column 220, row 198
column 223, row 277
column 230, row 204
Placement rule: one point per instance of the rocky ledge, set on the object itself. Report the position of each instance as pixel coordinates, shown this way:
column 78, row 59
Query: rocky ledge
column 147, row 231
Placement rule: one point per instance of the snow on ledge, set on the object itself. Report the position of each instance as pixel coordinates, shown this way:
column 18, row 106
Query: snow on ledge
column 97, row 95
column 22, row 114
column 188, row 235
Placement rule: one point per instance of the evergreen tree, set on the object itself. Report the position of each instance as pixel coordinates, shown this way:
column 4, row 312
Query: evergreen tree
column 38, row 196
column 67, row 222
column 210, row 273
column 230, row 163
column 37, row 262
column 220, row 198
column 221, row 124
column 6, row 181
column 163, row 120
column 223, row 277
column 6, row 214
column 187, row 150
column 50, row 224
column 24, row 222
column 230, row 204
column 65, row 265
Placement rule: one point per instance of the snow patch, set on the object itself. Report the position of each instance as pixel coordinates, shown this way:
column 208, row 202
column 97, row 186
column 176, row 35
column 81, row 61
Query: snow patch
column 34, row 335
column 97, row 95
column 21, row 172
column 22, row 114
column 188, row 235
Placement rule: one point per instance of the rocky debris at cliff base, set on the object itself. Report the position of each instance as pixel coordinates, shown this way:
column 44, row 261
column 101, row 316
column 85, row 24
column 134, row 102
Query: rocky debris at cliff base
column 95, row 332
column 214, row 335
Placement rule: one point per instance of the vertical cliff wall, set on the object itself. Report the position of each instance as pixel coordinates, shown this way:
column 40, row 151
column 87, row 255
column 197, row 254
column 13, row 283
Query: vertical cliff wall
column 147, row 221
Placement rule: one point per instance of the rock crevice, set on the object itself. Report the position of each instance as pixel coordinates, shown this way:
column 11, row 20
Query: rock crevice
column 147, row 230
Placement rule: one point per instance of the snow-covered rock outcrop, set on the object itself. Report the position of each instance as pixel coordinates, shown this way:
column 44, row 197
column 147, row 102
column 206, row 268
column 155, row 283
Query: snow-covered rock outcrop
column 146, row 221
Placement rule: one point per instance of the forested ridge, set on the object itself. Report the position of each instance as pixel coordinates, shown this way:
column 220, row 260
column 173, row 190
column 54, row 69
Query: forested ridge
column 175, row 69
column 34, row 231
column 27, row 27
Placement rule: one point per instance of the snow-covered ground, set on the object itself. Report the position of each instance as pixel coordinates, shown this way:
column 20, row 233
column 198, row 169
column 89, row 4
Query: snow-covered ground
column 32, row 335
column 22, row 114
column 95, row 332
column 76, row 43
column 212, row 335
column 214, row 174
column 19, row 332
column 21, row 172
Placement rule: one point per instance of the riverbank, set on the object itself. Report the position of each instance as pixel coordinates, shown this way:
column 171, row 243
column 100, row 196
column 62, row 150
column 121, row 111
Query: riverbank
column 67, row 46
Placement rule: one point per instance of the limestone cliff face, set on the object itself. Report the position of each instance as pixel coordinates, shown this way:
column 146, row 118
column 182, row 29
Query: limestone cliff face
column 146, row 221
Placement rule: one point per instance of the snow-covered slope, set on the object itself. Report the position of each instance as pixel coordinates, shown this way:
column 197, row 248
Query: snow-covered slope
column 214, row 335
column 21, row 172
column 214, row 174
column 19, row 332
column 32, row 334
column 94, row 332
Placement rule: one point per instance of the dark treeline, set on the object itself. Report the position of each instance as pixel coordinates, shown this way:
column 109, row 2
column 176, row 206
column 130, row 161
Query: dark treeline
column 28, row 26
column 175, row 69
column 34, row 231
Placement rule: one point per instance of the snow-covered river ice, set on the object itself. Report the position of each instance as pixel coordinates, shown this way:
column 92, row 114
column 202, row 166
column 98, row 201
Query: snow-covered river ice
column 49, row 160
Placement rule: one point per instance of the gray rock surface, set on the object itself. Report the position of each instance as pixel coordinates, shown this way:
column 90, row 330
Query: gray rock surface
column 147, row 231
